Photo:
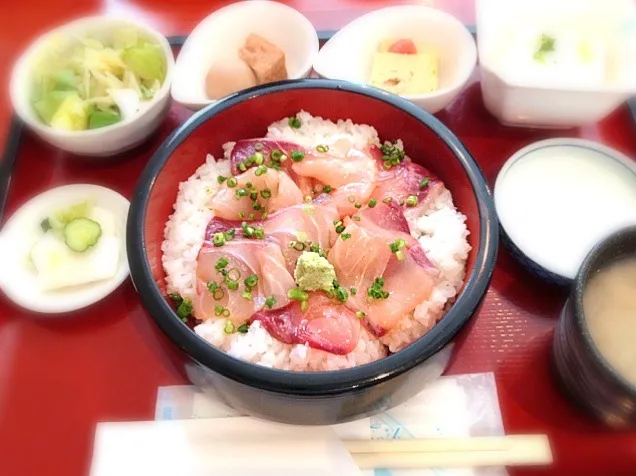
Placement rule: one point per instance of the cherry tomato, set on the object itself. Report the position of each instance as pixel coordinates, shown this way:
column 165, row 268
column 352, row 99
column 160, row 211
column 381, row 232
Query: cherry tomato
column 403, row 47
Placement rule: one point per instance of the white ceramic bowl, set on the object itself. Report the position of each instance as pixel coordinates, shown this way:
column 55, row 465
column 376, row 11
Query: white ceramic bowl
column 221, row 34
column 19, row 282
column 348, row 55
column 520, row 99
column 106, row 141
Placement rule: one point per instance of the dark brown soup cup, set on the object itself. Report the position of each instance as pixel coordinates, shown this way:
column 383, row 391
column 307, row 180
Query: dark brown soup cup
column 581, row 371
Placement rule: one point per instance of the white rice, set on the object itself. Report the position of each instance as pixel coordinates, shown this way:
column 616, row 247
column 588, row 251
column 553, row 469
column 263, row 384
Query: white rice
column 441, row 232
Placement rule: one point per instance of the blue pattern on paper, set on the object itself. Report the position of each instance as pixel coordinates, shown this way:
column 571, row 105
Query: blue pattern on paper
column 386, row 427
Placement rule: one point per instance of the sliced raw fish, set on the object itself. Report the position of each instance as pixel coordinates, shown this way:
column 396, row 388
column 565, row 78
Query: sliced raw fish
column 298, row 225
column 304, row 225
column 325, row 325
column 284, row 193
column 408, row 281
column 352, row 178
column 244, row 149
column 248, row 257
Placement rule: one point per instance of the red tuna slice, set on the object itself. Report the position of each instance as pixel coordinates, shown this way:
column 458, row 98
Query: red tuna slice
column 244, row 149
column 244, row 257
column 325, row 325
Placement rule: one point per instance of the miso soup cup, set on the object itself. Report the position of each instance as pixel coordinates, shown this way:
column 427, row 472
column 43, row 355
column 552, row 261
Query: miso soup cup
column 580, row 369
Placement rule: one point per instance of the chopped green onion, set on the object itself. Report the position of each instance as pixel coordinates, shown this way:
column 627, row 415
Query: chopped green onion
column 242, row 167
column 243, row 328
column 219, row 239
column 275, row 155
column 424, row 183
column 341, row 294
column 387, row 200
column 221, row 179
column 411, row 201
column 229, row 234
column 400, row 255
column 358, row 205
column 251, row 281
column 294, row 122
column 232, row 182
column 397, row 245
column 234, row 274
column 356, row 218
column 221, row 263
column 259, row 233
column 322, row 148
column 249, row 185
column 391, row 155
column 270, row 302
column 184, row 311
column 218, row 310
column 297, row 245
column 340, row 229
column 226, row 312
column 241, row 192
column 251, row 217
column 246, row 295
column 212, row 286
column 266, row 193
column 351, row 199
column 376, row 290
column 258, row 146
column 297, row 294
column 297, row 155
column 372, row 203
column 229, row 327
column 241, row 214
column 360, row 314
column 232, row 285
column 218, row 294
column 253, row 195
column 258, row 158
column 257, row 206
column 327, row 189
column 353, row 291
column 260, row 170
column 345, row 236
column 175, row 298
column 303, row 306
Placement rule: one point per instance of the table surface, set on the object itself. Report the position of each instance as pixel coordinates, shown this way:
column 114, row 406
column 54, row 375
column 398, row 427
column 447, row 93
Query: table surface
column 58, row 377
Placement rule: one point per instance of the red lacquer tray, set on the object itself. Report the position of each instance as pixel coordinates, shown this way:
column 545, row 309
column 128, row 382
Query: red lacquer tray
column 59, row 376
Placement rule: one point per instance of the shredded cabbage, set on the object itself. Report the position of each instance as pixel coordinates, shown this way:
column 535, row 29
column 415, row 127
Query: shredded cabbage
column 77, row 81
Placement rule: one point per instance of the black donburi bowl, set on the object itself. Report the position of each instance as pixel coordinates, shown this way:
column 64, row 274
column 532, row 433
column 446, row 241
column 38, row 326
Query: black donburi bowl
column 315, row 397
column 581, row 371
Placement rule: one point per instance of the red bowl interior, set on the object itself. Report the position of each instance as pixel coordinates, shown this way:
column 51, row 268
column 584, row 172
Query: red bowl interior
column 250, row 118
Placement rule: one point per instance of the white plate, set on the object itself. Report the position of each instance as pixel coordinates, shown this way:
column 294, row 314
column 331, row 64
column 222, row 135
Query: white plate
column 220, row 35
column 348, row 55
column 18, row 280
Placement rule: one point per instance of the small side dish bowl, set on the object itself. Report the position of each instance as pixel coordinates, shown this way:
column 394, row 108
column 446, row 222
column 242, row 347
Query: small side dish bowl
column 321, row 397
column 104, row 141
column 348, row 55
column 220, row 35
column 581, row 370
column 18, row 279
column 557, row 198
column 582, row 84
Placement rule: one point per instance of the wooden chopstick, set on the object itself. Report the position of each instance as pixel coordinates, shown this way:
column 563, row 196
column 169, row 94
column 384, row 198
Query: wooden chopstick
column 451, row 452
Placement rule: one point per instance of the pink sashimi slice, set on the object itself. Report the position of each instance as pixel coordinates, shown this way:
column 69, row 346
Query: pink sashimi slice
column 244, row 149
column 283, row 193
column 409, row 281
column 352, row 178
column 325, row 325
column 245, row 257
column 302, row 225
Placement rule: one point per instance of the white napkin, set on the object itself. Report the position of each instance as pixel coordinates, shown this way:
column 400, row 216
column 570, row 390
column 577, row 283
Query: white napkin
column 237, row 446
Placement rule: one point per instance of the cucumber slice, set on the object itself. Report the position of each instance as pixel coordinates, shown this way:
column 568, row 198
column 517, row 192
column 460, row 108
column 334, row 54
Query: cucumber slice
column 82, row 233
